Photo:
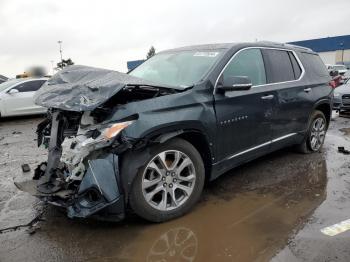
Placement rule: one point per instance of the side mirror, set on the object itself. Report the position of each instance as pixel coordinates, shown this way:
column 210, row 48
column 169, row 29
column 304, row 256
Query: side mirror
column 235, row 83
column 13, row 91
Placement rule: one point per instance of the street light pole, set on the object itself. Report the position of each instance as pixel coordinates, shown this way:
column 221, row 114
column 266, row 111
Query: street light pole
column 60, row 43
column 342, row 53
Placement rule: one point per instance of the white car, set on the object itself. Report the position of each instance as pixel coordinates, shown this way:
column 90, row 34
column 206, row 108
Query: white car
column 16, row 97
column 340, row 68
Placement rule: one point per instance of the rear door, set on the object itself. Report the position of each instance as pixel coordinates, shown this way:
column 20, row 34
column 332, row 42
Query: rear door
column 243, row 117
column 294, row 97
column 21, row 103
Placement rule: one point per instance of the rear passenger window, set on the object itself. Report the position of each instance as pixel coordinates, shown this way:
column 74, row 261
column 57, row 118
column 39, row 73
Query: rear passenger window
column 248, row 63
column 279, row 66
column 296, row 66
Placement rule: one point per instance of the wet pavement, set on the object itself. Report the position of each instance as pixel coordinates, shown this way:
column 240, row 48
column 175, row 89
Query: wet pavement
column 270, row 209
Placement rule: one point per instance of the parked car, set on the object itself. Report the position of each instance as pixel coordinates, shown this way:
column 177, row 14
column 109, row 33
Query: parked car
column 342, row 69
column 16, row 97
column 3, row 79
column 151, row 138
column 341, row 101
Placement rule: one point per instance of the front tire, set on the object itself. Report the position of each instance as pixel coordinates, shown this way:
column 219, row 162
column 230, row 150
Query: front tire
column 170, row 182
column 315, row 135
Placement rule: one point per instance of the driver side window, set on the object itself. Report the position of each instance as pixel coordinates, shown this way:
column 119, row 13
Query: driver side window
column 248, row 63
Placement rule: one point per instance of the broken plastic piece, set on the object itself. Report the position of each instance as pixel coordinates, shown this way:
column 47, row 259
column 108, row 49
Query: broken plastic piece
column 25, row 168
column 39, row 171
column 341, row 149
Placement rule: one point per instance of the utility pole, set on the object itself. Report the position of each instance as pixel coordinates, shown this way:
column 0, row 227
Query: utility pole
column 60, row 44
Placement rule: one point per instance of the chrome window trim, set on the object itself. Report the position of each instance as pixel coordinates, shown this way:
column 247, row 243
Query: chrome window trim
column 259, row 146
column 271, row 48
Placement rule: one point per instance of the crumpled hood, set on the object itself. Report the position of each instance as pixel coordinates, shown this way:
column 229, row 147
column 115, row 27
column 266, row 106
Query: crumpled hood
column 83, row 88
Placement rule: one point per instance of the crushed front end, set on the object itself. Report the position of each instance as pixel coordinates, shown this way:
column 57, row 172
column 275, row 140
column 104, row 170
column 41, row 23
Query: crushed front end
column 81, row 173
column 85, row 139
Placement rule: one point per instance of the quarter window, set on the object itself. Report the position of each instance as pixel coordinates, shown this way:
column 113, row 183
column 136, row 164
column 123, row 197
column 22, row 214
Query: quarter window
column 315, row 63
column 30, row 86
column 248, row 63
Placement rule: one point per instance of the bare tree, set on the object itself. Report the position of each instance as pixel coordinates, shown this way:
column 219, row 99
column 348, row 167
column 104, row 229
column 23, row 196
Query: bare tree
column 151, row 52
column 65, row 63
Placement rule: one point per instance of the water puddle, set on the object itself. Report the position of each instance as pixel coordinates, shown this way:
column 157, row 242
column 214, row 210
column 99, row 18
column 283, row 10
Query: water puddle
column 247, row 214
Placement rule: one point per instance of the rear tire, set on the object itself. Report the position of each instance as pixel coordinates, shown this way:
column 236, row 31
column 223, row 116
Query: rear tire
column 315, row 135
column 170, row 183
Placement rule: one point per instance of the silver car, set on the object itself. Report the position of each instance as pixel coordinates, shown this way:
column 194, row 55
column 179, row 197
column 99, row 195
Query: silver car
column 16, row 97
column 341, row 101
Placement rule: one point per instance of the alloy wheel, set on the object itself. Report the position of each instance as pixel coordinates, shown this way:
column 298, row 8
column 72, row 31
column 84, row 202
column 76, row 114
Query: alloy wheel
column 318, row 132
column 168, row 180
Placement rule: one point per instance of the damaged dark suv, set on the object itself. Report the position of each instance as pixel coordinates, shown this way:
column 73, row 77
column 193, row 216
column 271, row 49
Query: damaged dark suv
column 150, row 139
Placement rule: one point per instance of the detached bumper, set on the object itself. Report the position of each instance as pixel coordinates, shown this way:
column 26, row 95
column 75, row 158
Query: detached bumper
column 99, row 193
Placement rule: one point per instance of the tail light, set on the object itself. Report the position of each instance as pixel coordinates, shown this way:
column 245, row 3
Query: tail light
column 332, row 84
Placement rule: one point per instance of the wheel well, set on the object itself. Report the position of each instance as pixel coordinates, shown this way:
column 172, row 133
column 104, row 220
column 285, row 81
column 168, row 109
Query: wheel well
column 326, row 110
column 200, row 142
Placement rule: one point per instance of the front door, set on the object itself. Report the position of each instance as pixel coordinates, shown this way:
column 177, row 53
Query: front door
column 243, row 117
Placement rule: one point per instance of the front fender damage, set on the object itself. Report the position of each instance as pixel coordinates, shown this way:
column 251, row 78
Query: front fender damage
column 83, row 179
column 99, row 189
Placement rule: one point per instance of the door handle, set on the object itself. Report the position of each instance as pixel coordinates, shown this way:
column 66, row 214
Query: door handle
column 307, row 90
column 267, row 97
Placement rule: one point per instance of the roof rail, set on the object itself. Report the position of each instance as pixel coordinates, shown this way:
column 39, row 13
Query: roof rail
column 285, row 45
column 300, row 47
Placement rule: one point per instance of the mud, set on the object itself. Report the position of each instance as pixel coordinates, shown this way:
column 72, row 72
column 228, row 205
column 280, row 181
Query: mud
column 272, row 208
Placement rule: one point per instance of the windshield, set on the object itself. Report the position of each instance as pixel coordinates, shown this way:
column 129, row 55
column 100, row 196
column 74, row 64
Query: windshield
column 180, row 69
column 9, row 83
column 339, row 67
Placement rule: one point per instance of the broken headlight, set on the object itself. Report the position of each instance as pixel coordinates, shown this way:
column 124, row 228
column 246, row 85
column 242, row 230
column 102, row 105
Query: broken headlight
column 106, row 134
column 75, row 149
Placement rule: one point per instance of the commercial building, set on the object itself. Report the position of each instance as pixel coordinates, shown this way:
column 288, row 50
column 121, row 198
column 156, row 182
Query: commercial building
column 132, row 64
column 332, row 50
